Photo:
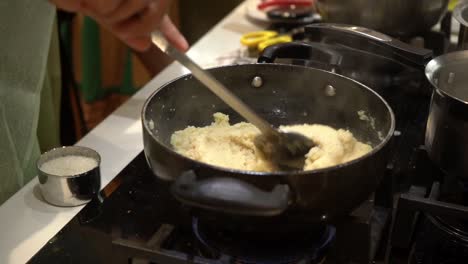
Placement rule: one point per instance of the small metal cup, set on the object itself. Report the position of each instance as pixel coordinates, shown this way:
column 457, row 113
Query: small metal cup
column 69, row 190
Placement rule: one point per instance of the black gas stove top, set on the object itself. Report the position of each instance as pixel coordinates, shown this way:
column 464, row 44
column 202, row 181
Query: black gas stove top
column 136, row 220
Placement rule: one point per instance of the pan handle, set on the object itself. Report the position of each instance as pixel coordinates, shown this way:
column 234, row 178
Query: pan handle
column 301, row 50
column 365, row 39
column 230, row 195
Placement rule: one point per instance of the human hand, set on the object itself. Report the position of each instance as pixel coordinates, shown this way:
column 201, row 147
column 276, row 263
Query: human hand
column 132, row 21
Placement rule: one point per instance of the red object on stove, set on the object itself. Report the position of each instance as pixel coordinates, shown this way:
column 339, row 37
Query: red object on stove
column 271, row 3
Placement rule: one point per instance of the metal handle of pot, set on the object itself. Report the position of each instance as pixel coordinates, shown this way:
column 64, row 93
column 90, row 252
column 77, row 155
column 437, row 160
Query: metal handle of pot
column 365, row 39
column 230, row 195
column 460, row 14
column 300, row 50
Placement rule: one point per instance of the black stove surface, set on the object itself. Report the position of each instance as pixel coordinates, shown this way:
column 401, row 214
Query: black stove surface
column 135, row 217
column 136, row 220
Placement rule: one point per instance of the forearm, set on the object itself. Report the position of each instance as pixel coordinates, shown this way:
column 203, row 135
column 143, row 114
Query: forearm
column 132, row 21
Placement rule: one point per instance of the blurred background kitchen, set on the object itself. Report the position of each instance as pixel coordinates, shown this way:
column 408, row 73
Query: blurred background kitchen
column 99, row 72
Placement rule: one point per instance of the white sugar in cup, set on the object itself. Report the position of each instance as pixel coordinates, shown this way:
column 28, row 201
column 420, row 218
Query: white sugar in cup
column 69, row 176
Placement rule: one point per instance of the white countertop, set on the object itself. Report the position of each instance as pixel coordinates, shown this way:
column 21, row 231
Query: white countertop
column 27, row 223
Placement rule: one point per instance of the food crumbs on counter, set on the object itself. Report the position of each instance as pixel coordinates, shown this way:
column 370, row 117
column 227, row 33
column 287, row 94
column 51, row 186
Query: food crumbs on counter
column 69, row 165
column 232, row 146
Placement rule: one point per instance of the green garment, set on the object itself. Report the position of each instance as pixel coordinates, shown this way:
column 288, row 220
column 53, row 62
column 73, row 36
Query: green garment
column 29, row 71
column 91, row 87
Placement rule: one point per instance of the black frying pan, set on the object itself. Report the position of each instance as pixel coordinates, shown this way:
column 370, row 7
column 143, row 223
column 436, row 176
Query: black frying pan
column 289, row 95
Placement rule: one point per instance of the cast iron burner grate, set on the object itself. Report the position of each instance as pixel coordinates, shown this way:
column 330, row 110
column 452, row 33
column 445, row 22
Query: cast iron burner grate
column 310, row 248
column 436, row 207
column 222, row 248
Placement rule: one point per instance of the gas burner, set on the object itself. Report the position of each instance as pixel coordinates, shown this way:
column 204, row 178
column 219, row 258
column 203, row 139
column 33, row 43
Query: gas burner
column 444, row 239
column 440, row 241
column 310, row 248
column 217, row 249
column 441, row 236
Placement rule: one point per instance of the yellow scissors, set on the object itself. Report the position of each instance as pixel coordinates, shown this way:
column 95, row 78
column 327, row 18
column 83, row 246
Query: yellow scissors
column 452, row 5
column 262, row 39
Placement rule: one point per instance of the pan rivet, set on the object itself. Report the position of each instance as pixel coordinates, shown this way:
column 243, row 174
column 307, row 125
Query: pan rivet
column 451, row 78
column 330, row 90
column 257, row 82
column 324, row 217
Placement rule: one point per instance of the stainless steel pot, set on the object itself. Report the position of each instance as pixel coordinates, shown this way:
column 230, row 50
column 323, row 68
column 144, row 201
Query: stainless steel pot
column 393, row 17
column 447, row 125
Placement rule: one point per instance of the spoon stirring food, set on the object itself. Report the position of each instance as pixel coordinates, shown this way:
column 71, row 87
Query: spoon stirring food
column 285, row 149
